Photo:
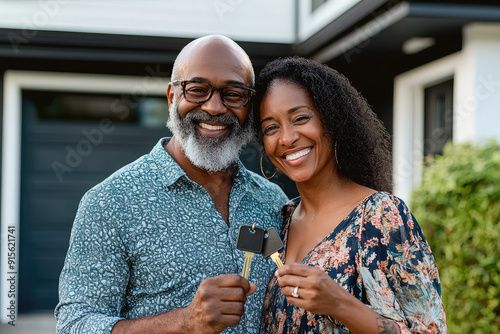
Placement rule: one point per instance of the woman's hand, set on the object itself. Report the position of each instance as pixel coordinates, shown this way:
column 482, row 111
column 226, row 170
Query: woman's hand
column 317, row 292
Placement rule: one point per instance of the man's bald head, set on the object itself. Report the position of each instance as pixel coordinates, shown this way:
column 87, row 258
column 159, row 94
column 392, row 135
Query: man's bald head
column 220, row 47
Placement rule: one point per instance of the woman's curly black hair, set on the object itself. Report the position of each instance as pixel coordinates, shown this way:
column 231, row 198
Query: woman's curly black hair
column 353, row 129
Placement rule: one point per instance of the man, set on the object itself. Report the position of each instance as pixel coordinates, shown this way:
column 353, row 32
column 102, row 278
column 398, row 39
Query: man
column 153, row 247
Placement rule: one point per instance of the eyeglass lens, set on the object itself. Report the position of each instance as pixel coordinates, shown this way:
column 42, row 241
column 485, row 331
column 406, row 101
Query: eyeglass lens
column 199, row 92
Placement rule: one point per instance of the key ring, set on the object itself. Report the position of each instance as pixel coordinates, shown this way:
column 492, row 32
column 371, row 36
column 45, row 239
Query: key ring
column 253, row 226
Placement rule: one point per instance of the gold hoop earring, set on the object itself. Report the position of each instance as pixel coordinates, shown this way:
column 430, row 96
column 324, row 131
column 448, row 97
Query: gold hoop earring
column 262, row 168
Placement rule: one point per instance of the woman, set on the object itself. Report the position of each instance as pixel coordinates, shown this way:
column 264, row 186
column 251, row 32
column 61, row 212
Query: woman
column 355, row 258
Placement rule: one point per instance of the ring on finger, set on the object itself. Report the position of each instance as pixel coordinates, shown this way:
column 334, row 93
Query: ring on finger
column 295, row 292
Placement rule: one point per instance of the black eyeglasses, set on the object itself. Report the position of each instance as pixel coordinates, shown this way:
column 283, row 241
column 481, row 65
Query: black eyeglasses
column 232, row 96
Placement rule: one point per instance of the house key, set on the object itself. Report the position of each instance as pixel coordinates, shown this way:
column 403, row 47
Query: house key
column 272, row 245
column 250, row 240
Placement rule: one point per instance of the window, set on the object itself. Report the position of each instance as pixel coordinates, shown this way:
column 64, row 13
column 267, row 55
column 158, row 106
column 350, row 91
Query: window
column 149, row 111
column 438, row 117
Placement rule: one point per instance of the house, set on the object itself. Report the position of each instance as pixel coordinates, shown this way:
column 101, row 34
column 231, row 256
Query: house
column 83, row 84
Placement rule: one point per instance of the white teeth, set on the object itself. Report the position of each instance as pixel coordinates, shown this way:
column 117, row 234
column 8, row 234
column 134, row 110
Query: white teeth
column 212, row 127
column 298, row 154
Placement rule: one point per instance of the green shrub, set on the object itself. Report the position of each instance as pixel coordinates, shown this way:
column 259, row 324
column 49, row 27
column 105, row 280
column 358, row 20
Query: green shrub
column 458, row 207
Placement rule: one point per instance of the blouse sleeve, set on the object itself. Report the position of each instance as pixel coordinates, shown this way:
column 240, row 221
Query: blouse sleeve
column 397, row 268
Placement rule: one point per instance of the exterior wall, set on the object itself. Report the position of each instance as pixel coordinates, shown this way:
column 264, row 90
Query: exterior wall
column 243, row 20
column 477, row 115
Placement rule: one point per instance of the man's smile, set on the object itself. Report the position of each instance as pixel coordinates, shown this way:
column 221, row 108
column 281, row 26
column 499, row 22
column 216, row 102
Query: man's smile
column 212, row 129
column 212, row 126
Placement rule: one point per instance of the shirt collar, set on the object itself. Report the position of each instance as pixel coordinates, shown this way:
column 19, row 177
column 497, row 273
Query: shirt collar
column 243, row 176
column 170, row 171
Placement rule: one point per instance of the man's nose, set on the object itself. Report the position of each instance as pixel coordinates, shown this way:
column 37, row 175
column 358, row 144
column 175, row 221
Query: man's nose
column 214, row 106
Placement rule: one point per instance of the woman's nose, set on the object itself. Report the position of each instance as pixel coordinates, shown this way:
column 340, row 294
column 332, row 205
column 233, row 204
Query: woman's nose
column 288, row 136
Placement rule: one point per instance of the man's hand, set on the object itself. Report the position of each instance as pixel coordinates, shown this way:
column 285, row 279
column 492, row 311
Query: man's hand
column 218, row 303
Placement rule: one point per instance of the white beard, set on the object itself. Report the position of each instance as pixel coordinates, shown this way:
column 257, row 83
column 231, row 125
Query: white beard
column 213, row 154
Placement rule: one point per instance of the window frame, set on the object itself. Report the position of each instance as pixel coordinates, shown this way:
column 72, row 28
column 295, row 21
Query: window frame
column 408, row 116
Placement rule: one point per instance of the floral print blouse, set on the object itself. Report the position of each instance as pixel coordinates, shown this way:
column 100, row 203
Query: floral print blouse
column 379, row 254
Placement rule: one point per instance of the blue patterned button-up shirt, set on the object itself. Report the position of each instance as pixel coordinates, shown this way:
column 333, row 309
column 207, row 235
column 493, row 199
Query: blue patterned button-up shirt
column 145, row 238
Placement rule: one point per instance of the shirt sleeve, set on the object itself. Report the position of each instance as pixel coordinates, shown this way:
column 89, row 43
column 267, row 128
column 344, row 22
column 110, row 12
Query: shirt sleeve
column 94, row 278
column 397, row 268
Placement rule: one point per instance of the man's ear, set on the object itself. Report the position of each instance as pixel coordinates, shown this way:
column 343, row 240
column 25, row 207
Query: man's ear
column 170, row 94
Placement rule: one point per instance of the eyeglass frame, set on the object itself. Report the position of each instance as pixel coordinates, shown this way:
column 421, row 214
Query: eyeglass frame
column 212, row 88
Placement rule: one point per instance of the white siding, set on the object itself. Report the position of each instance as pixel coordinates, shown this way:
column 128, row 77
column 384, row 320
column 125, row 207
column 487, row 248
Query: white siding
column 477, row 114
column 244, row 20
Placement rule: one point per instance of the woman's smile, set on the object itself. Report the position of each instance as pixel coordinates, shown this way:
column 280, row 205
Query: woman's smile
column 296, row 155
